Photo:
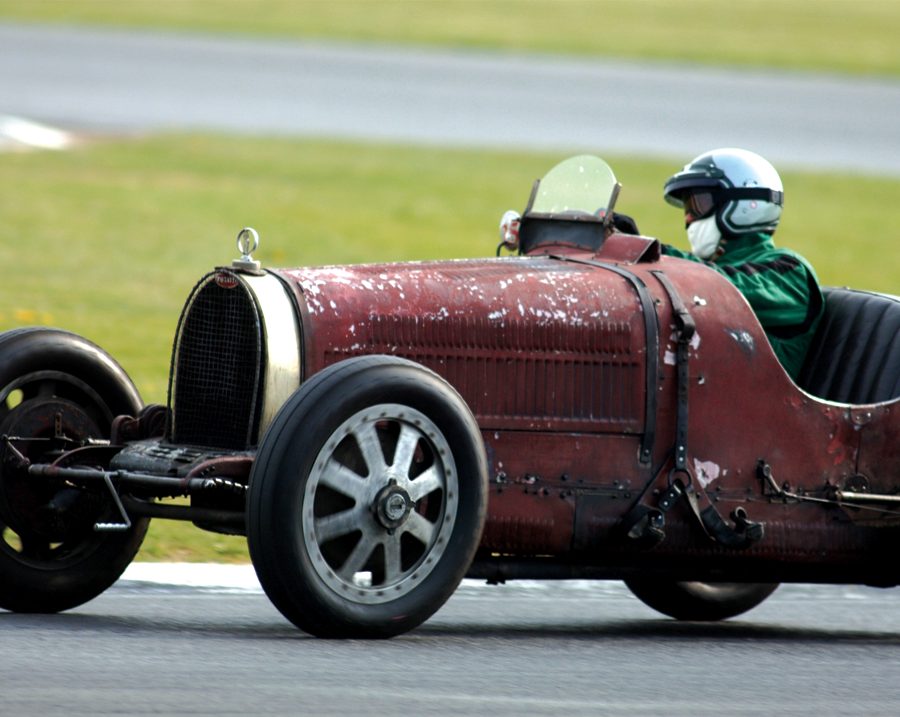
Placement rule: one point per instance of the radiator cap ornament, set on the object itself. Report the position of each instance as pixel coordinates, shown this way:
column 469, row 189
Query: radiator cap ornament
column 247, row 243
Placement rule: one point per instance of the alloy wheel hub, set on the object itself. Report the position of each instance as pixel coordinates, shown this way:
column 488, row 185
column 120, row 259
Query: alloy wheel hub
column 392, row 506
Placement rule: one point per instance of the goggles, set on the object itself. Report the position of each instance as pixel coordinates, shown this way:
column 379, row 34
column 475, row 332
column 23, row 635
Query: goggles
column 699, row 205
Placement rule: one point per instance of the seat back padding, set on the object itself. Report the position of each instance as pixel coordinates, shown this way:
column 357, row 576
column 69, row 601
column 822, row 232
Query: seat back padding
column 855, row 354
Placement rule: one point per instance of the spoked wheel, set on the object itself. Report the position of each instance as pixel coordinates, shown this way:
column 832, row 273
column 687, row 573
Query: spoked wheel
column 367, row 499
column 697, row 601
column 56, row 391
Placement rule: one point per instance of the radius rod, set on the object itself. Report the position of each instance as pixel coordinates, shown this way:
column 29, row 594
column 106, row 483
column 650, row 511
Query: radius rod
column 179, row 486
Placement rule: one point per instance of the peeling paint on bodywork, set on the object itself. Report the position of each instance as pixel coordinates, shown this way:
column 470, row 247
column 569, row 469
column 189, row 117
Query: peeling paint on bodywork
column 550, row 291
column 706, row 472
column 744, row 340
column 532, row 339
column 669, row 356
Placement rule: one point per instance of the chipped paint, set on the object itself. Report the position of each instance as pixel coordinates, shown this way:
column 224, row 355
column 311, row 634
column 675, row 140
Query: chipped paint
column 669, row 357
column 565, row 327
column 744, row 340
column 706, row 472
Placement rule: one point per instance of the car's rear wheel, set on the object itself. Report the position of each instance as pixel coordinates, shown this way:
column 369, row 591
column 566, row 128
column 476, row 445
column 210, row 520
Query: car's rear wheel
column 367, row 499
column 58, row 390
column 699, row 601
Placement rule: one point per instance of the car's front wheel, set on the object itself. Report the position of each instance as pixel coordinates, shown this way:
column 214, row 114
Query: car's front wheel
column 367, row 499
column 699, row 601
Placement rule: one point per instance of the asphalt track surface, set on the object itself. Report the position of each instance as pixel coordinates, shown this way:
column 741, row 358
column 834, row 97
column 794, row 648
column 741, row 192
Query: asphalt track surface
column 578, row 649
column 129, row 81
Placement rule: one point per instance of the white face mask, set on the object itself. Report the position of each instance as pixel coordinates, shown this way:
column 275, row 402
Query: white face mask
column 704, row 237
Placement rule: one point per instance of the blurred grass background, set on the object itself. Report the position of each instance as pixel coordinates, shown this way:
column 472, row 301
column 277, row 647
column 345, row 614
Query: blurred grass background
column 107, row 239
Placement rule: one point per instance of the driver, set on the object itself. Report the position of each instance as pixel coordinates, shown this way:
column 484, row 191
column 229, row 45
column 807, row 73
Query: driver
column 732, row 202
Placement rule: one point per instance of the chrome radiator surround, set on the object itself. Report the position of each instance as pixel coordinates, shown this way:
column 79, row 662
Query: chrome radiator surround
column 235, row 361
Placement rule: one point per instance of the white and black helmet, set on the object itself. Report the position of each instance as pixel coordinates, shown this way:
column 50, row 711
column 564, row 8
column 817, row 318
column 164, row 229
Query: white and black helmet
column 746, row 191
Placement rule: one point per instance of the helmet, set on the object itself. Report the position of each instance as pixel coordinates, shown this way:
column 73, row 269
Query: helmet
column 746, row 190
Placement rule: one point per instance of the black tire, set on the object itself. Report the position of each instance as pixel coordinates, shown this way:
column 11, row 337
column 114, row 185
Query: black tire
column 344, row 544
column 697, row 601
column 54, row 380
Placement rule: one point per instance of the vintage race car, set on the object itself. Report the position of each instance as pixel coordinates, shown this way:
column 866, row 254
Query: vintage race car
column 586, row 408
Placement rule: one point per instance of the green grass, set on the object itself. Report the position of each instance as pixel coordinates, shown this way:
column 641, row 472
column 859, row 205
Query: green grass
column 180, row 542
column 852, row 36
column 107, row 239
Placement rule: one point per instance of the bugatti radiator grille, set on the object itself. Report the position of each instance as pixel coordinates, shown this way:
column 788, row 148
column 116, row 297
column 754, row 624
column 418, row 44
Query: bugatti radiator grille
column 215, row 392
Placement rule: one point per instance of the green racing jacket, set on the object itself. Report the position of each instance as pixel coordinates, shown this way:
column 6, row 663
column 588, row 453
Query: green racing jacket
column 779, row 284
